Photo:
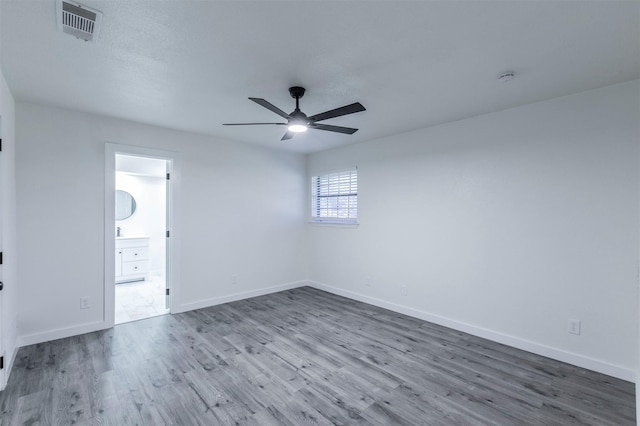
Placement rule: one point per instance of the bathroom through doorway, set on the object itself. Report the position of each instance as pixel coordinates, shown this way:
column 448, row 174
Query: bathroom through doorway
column 141, row 279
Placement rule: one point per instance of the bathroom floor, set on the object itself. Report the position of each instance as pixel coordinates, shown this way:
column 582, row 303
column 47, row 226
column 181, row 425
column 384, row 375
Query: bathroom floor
column 139, row 300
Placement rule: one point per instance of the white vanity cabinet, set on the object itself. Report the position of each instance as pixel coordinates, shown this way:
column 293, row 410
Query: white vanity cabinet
column 132, row 259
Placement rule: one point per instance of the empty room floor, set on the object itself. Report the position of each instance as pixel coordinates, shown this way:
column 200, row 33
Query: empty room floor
column 297, row 357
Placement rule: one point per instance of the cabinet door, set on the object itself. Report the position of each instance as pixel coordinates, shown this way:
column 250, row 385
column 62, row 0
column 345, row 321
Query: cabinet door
column 118, row 263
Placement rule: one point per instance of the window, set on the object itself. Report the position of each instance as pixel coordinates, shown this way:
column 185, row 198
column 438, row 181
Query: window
column 334, row 197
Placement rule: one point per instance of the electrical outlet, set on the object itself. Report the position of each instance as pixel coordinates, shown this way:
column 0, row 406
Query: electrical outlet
column 234, row 279
column 573, row 326
column 404, row 290
column 84, row 303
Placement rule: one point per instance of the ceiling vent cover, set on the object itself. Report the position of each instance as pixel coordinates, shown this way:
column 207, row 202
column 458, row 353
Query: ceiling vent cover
column 78, row 20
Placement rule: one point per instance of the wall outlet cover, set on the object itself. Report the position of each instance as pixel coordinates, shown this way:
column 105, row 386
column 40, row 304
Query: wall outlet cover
column 84, row 303
column 573, row 326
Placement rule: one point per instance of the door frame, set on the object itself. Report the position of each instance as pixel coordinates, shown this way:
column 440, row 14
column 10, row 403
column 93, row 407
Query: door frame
column 173, row 224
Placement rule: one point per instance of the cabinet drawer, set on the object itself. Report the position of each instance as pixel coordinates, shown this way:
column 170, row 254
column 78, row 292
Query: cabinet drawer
column 134, row 268
column 134, row 254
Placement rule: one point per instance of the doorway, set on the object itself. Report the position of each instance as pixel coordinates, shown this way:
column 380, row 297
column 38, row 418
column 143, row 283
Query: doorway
column 140, row 215
column 140, row 241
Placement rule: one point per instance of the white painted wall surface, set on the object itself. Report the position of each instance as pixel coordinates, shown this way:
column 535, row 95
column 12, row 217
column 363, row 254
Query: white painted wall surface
column 505, row 225
column 9, row 275
column 242, row 212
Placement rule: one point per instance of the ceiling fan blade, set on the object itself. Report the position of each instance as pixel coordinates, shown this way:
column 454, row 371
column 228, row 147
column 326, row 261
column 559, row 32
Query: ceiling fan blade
column 271, row 107
column 347, row 109
column 287, row 135
column 339, row 129
column 251, row 124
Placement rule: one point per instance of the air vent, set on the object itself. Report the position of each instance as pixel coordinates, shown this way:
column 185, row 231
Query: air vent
column 78, row 20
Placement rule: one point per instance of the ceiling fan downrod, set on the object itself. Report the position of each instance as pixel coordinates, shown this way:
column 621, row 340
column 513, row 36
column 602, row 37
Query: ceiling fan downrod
column 297, row 92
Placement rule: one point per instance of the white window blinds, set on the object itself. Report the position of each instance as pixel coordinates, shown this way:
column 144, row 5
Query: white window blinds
column 334, row 197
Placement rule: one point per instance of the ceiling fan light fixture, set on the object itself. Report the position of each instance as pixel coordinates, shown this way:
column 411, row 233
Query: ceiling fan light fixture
column 298, row 121
column 297, row 128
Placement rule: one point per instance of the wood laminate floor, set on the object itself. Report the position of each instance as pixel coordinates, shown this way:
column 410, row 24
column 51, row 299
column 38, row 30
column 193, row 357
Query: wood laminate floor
column 300, row 357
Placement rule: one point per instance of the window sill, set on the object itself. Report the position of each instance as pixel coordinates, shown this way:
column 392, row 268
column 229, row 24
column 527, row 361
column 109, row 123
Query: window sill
column 335, row 224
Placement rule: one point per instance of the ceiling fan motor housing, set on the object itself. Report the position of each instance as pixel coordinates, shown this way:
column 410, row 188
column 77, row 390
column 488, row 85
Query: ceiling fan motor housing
column 298, row 116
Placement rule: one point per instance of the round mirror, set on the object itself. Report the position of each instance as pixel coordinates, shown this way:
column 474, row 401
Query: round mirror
column 125, row 205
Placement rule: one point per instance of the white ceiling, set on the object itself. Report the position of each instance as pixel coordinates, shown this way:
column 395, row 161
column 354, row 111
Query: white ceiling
column 191, row 65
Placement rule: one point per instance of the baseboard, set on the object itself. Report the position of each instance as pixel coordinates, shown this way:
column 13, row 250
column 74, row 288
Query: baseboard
column 60, row 333
column 11, row 362
column 529, row 346
column 237, row 296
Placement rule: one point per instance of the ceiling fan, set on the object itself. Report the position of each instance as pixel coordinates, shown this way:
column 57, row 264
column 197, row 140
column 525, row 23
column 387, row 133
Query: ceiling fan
column 298, row 121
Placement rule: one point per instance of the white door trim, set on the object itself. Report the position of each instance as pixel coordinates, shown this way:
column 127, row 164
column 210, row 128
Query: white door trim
column 111, row 149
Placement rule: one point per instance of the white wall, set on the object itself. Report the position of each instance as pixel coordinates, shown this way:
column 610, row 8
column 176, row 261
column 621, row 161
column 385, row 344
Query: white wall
column 505, row 225
column 8, row 271
column 242, row 212
column 149, row 219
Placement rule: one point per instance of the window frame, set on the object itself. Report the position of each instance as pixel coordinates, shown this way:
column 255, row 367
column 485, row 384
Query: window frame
column 333, row 178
